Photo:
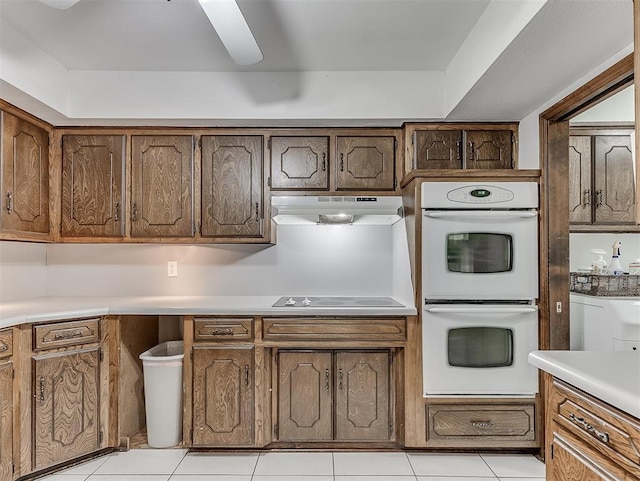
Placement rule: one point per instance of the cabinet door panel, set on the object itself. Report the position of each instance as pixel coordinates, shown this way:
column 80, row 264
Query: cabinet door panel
column 362, row 396
column 614, row 179
column 580, row 192
column 299, row 163
column 304, row 396
column 162, row 186
column 25, row 176
column 571, row 461
column 222, row 396
column 92, row 185
column 66, row 406
column 365, row 163
column 438, row 149
column 488, row 149
column 232, row 186
column 6, row 420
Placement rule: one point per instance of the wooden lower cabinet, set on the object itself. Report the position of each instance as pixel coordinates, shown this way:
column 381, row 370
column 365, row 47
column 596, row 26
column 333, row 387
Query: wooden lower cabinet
column 589, row 440
column 6, row 420
column 334, row 395
column 65, row 406
column 481, row 423
column 305, row 391
column 223, row 380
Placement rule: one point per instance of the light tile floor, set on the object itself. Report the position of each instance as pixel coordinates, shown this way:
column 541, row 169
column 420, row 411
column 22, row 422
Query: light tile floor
column 178, row 465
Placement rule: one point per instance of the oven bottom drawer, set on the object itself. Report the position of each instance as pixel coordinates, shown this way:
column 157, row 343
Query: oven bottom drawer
column 474, row 425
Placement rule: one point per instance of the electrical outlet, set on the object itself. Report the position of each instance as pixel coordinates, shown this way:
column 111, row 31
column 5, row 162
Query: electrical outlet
column 172, row 269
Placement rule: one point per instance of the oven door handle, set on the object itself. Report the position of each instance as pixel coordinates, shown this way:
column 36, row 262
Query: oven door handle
column 483, row 310
column 482, row 215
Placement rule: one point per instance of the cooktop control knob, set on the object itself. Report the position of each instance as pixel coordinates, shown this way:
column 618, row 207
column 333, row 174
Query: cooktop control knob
column 290, row 302
column 306, row 301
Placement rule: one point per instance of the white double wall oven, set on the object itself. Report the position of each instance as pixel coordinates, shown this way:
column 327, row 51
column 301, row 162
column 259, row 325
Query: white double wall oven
column 479, row 288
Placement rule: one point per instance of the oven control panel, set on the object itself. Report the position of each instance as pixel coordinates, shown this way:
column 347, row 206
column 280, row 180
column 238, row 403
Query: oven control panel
column 470, row 195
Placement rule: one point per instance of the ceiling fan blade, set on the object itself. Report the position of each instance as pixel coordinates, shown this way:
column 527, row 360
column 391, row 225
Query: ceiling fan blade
column 232, row 28
column 60, row 4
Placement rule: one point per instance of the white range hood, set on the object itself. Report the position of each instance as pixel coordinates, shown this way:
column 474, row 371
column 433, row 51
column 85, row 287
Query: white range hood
column 357, row 210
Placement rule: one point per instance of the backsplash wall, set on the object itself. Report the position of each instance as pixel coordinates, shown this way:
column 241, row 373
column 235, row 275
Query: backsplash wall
column 316, row 260
column 580, row 246
column 22, row 270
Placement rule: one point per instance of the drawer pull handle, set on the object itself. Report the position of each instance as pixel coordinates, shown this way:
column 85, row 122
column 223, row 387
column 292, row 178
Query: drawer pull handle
column 222, row 331
column 67, row 335
column 604, row 437
column 482, row 424
column 3, row 346
column 41, row 389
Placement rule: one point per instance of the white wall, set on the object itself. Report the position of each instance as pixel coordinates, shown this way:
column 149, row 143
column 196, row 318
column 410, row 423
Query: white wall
column 22, row 270
column 318, row 260
column 529, row 130
column 617, row 108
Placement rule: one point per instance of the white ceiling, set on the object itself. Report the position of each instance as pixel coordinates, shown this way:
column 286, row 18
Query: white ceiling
column 508, row 71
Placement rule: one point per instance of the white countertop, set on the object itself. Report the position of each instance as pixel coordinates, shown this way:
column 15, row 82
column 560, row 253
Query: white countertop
column 53, row 308
column 612, row 376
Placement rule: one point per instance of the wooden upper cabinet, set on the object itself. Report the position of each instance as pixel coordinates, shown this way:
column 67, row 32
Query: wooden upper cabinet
column 25, row 176
column 162, row 186
column 438, row 149
column 465, row 148
column 232, row 192
column 580, row 188
column 601, row 177
column 488, row 149
column 92, row 185
column 365, row 163
column 614, row 180
column 299, row 162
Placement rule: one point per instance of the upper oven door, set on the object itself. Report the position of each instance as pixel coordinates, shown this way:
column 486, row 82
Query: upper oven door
column 478, row 255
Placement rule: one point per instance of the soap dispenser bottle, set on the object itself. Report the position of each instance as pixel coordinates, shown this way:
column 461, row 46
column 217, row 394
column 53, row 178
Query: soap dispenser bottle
column 599, row 265
column 616, row 266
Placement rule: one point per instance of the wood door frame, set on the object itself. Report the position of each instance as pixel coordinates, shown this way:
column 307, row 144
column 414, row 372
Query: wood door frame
column 554, row 161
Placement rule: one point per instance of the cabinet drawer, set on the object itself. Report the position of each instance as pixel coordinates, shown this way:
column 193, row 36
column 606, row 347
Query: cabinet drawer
column 223, row 329
column 468, row 425
column 602, row 426
column 64, row 334
column 334, row 329
column 6, row 343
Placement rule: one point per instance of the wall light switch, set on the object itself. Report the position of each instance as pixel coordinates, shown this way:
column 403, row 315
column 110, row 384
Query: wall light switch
column 172, row 269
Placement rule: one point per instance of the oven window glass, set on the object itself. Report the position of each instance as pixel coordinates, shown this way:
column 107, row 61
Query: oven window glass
column 480, row 347
column 479, row 253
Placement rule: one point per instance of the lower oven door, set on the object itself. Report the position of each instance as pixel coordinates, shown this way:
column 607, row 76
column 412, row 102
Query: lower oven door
column 479, row 349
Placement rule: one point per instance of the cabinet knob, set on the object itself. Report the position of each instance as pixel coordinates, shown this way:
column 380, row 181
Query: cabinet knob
column 587, row 197
column 257, row 211
column 341, row 162
column 340, row 379
column 472, row 147
column 599, row 198
column 324, row 161
column 9, row 202
column 326, row 379
column 116, row 211
column 134, row 212
column 246, row 375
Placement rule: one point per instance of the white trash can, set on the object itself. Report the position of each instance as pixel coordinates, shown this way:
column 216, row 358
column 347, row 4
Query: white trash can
column 162, row 367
